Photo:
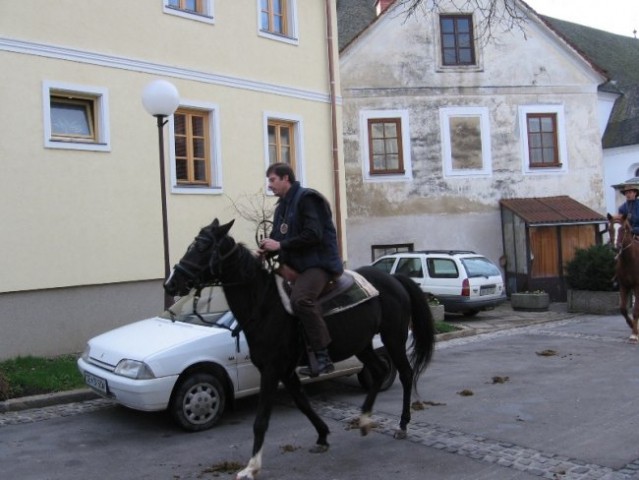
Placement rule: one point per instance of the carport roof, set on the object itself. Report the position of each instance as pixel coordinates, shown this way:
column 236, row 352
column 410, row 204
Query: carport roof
column 560, row 210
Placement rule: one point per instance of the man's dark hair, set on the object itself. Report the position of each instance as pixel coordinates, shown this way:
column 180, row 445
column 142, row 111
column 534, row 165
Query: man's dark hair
column 280, row 169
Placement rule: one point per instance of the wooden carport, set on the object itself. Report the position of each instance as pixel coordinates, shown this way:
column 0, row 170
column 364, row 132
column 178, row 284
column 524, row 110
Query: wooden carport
column 540, row 235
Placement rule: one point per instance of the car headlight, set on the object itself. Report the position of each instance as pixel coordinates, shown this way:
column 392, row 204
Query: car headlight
column 134, row 369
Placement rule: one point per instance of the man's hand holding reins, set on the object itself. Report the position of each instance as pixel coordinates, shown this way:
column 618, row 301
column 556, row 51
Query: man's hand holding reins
column 268, row 245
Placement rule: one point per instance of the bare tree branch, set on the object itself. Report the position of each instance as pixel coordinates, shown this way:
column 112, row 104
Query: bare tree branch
column 492, row 16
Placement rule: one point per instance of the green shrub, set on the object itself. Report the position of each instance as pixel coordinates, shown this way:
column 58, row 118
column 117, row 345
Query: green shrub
column 592, row 269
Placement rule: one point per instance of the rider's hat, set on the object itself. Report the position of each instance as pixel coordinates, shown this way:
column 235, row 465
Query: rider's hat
column 626, row 188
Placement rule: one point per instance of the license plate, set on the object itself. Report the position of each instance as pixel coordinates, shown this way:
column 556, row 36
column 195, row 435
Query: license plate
column 97, row 383
column 487, row 290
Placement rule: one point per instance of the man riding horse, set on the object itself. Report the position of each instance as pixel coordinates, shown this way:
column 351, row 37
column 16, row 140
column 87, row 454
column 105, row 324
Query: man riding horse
column 305, row 238
column 630, row 208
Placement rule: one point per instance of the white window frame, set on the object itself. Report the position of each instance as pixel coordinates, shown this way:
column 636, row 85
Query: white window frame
column 402, row 115
column 100, row 98
column 562, row 148
column 292, row 36
column 298, row 132
column 215, row 165
column 445, row 114
column 206, row 17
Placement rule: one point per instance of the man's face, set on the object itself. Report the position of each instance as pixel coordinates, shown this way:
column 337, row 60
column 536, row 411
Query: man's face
column 631, row 194
column 279, row 186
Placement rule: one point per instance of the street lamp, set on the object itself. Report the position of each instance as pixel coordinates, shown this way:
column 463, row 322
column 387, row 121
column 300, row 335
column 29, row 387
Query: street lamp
column 160, row 98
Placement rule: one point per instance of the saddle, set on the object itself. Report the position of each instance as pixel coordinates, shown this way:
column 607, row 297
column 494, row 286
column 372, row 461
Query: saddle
column 347, row 291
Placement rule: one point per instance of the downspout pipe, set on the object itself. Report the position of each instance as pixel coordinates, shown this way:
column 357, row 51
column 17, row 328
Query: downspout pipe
column 335, row 151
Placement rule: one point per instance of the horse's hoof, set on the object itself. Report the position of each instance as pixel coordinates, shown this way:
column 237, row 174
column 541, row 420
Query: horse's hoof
column 633, row 339
column 318, row 449
column 400, row 434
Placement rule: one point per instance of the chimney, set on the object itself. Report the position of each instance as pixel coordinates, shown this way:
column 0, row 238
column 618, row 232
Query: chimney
column 382, row 5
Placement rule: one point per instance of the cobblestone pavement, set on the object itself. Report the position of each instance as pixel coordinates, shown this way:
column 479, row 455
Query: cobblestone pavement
column 433, row 435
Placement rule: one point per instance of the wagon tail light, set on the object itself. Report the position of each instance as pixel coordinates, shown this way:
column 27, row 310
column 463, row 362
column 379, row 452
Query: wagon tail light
column 465, row 288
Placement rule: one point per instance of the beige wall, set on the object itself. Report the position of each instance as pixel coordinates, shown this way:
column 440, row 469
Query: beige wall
column 82, row 218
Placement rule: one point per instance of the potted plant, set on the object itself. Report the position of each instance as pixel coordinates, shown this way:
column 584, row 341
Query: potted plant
column 535, row 301
column 589, row 276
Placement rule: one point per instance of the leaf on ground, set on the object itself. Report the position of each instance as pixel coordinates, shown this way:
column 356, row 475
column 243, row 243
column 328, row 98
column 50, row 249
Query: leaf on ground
column 466, row 393
column 288, row 448
column 223, row 467
column 498, row 379
column 547, row 353
column 421, row 405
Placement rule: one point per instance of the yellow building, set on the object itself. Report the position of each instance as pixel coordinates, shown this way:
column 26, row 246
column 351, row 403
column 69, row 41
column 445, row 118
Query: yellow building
column 81, row 237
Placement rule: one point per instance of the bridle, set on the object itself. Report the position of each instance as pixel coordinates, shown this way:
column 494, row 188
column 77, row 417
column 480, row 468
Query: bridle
column 625, row 229
column 193, row 271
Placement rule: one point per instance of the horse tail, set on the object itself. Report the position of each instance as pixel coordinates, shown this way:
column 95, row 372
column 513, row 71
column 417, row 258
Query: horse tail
column 423, row 327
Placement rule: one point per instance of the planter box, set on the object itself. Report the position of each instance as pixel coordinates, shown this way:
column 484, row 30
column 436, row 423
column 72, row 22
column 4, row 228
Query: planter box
column 530, row 302
column 586, row 301
column 438, row 312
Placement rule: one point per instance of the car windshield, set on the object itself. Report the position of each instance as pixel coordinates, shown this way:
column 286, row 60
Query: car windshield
column 209, row 308
column 480, row 267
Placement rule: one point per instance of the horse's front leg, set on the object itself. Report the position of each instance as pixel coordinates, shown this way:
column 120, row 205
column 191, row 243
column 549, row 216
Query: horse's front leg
column 294, row 388
column 268, row 388
column 623, row 305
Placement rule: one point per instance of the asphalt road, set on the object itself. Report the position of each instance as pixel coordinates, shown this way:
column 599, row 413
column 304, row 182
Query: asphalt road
column 552, row 400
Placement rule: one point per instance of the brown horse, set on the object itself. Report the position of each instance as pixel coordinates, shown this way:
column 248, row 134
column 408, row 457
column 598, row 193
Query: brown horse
column 627, row 268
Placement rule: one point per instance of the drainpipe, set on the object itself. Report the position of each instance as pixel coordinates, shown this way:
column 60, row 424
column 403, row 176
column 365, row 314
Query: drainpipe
column 331, row 73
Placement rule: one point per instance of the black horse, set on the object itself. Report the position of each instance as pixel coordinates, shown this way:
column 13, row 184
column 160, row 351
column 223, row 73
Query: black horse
column 273, row 335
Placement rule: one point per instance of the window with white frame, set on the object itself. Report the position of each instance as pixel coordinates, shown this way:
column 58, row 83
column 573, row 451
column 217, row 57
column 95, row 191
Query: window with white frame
column 195, row 149
column 75, row 117
column 465, row 133
column 283, row 136
column 200, row 10
column 543, row 138
column 277, row 19
column 385, row 145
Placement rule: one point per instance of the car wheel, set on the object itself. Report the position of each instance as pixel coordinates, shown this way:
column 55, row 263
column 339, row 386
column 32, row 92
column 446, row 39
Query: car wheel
column 470, row 313
column 198, row 402
column 364, row 376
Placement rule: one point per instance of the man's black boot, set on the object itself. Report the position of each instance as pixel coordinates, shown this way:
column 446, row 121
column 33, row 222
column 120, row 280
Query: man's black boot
column 324, row 365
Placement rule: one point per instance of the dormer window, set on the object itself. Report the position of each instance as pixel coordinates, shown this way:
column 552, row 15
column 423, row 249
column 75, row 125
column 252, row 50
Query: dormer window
column 457, row 41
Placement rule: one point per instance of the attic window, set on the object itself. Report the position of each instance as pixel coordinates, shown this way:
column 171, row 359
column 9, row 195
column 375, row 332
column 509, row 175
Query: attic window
column 457, row 40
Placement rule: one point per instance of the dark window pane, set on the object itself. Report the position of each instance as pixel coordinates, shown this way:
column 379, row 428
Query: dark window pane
column 198, row 126
column 199, row 148
column 179, row 124
column 180, row 146
column 200, row 170
column 181, row 170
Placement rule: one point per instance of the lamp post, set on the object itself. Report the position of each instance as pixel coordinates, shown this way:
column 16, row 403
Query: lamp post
column 160, row 98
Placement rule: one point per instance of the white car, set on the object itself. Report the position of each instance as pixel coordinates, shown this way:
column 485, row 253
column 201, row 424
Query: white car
column 187, row 361
column 462, row 280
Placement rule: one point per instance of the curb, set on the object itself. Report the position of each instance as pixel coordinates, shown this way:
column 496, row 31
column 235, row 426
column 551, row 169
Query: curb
column 46, row 400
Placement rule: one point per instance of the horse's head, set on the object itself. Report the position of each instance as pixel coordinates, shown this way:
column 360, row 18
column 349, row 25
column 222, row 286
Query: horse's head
column 200, row 263
column 618, row 228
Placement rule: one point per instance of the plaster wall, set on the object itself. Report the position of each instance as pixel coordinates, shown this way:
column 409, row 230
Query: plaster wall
column 393, row 66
